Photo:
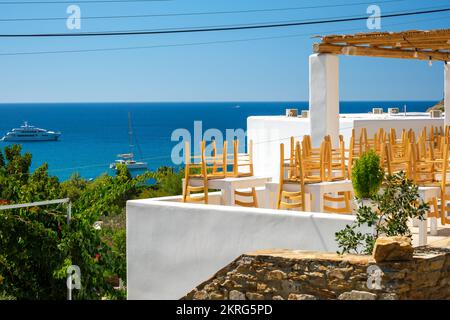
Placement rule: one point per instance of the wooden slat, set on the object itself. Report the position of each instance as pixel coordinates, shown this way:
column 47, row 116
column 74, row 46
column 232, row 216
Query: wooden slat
column 243, row 193
column 196, row 189
column 291, row 205
column 288, row 194
column 245, row 204
column 379, row 52
column 383, row 37
column 335, row 210
column 333, row 199
column 196, row 199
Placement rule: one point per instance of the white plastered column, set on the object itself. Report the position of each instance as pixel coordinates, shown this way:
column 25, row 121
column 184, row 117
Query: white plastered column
column 324, row 97
column 447, row 93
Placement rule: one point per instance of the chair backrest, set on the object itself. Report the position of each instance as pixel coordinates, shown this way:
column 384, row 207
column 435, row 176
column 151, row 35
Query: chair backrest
column 306, row 146
column 333, row 159
column 444, row 184
column 291, row 199
column 385, row 158
column 242, row 160
column 195, row 169
column 219, row 161
column 195, row 163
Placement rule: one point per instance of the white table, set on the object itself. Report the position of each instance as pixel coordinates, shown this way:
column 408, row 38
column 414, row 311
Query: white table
column 317, row 190
column 229, row 185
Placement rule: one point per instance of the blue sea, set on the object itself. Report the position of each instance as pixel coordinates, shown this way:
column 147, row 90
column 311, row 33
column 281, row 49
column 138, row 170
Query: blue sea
column 94, row 133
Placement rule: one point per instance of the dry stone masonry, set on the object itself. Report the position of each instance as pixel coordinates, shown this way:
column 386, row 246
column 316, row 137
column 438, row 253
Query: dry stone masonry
column 300, row 275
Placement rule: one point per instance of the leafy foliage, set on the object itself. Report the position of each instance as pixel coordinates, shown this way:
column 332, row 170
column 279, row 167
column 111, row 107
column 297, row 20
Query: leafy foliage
column 167, row 183
column 37, row 245
column 399, row 202
column 367, row 175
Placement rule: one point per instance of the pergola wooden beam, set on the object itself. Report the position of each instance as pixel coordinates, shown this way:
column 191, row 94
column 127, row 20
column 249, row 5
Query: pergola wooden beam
column 380, row 52
column 419, row 45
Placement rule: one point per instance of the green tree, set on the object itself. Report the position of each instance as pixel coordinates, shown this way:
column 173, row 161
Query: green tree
column 398, row 202
column 37, row 245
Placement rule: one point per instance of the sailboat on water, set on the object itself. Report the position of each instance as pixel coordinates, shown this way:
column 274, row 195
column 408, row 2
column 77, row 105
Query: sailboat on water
column 127, row 159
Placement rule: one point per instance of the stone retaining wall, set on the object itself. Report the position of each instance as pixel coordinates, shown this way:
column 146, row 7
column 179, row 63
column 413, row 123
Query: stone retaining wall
column 300, row 275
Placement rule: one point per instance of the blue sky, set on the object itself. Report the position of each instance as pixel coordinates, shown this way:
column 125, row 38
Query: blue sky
column 257, row 70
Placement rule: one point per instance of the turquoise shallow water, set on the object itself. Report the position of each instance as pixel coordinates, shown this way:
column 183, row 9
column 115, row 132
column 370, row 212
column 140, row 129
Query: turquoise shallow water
column 94, row 133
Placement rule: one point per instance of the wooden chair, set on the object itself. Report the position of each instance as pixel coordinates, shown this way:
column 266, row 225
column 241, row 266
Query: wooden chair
column 242, row 160
column 219, row 161
column 200, row 169
column 195, row 171
column 340, row 198
column 291, row 199
column 445, row 197
column 316, row 166
column 421, row 169
column 307, row 150
column 335, row 160
column 355, row 150
column 394, row 161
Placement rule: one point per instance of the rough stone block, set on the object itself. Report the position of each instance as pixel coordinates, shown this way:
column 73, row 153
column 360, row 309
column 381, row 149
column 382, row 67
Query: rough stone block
column 393, row 249
column 294, row 296
column 236, row 295
column 357, row 295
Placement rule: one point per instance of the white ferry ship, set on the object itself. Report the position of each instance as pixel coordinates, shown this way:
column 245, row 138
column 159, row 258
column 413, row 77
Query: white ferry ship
column 27, row 132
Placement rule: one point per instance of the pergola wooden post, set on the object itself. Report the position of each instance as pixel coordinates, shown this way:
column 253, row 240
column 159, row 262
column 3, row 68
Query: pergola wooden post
column 432, row 45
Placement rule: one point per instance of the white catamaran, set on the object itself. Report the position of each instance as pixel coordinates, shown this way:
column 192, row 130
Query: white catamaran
column 127, row 159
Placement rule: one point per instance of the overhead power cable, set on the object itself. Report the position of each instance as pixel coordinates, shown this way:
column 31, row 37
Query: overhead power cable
column 205, row 42
column 199, row 13
column 214, row 28
column 77, row 2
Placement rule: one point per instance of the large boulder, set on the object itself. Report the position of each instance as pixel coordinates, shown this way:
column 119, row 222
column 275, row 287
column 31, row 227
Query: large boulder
column 393, row 249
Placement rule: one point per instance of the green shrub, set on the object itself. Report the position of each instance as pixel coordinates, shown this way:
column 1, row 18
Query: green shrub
column 393, row 208
column 367, row 175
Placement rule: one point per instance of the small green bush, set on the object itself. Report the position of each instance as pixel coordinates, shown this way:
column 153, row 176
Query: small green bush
column 398, row 203
column 367, row 175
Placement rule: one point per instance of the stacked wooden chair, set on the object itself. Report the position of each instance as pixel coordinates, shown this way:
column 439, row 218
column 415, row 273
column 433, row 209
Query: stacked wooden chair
column 295, row 175
column 335, row 170
column 243, row 167
column 199, row 170
column 218, row 165
column 312, row 165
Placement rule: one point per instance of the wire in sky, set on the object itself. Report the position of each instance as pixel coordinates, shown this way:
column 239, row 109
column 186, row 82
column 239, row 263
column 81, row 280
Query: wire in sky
column 76, row 2
column 201, row 13
column 215, row 28
column 206, row 42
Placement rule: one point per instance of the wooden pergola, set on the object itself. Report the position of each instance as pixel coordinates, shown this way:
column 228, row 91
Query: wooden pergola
column 412, row 44
column 324, row 68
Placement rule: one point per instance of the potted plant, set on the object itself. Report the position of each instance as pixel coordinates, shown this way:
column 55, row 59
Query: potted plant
column 398, row 202
column 367, row 176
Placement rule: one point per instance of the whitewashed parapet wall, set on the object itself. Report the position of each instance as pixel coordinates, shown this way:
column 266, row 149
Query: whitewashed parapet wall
column 173, row 247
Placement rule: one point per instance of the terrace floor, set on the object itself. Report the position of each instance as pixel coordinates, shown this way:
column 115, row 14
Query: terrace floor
column 443, row 232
